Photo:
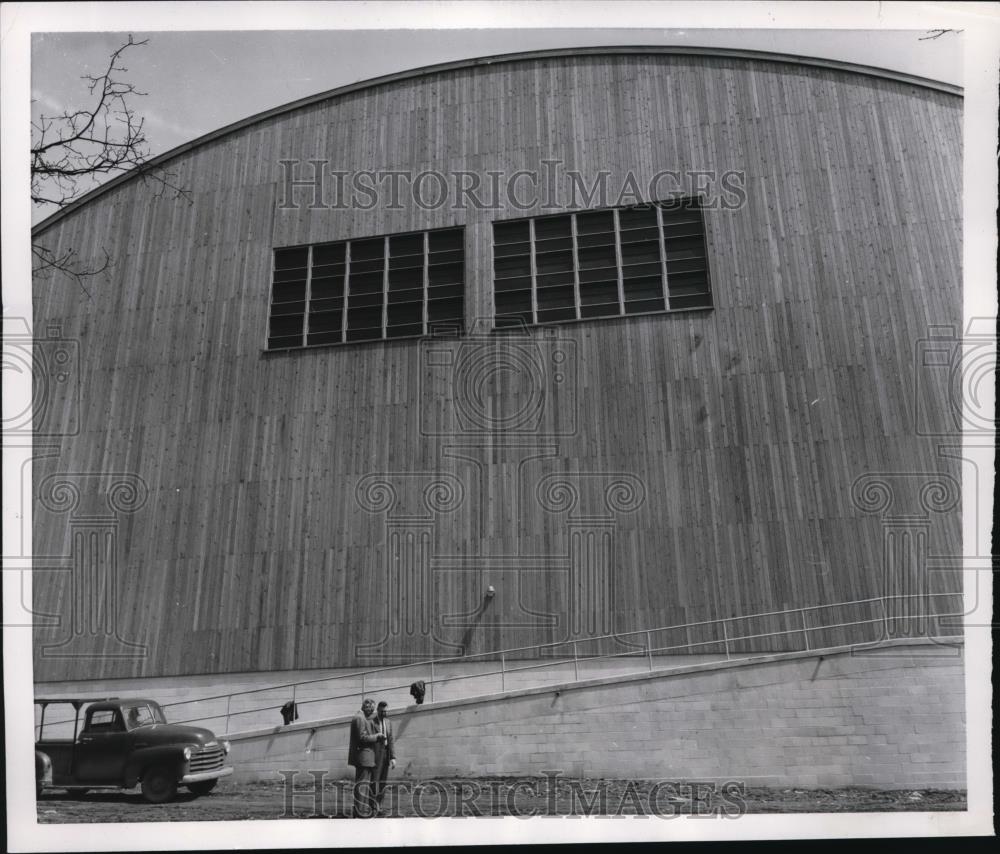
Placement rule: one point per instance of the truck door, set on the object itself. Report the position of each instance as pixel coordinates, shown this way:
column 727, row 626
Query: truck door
column 101, row 749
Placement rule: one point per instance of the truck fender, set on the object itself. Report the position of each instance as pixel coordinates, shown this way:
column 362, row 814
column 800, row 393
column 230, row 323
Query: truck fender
column 43, row 768
column 171, row 755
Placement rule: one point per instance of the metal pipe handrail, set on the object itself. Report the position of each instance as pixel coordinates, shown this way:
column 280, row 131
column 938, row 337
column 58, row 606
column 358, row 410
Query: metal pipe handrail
column 365, row 675
column 489, row 673
column 631, row 653
column 404, row 685
column 507, row 651
column 439, row 681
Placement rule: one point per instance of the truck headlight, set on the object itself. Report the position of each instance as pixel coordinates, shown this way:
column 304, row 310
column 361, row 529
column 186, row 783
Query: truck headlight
column 225, row 747
column 187, row 753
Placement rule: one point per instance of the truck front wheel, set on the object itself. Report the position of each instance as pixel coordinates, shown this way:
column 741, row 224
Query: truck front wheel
column 202, row 788
column 159, row 784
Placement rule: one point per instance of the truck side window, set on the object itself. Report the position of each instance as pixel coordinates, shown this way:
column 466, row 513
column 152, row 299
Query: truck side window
column 139, row 716
column 105, row 720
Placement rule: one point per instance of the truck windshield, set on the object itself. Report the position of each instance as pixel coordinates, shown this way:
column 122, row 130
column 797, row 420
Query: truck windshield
column 142, row 715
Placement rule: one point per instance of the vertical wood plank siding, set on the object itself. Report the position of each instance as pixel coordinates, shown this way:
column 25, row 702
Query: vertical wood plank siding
column 746, row 424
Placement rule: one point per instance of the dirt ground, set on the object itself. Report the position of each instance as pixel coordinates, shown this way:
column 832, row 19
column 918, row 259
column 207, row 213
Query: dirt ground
column 489, row 796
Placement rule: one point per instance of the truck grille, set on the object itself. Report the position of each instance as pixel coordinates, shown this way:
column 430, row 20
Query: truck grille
column 206, row 759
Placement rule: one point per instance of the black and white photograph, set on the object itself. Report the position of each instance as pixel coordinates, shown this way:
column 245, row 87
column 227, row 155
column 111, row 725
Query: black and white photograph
column 529, row 413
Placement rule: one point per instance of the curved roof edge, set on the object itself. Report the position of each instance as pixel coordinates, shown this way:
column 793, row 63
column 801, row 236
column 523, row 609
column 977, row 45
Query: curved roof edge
column 456, row 65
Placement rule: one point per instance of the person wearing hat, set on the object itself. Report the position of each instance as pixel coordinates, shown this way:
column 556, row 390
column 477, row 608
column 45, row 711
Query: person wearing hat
column 361, row 756
column 385, row 752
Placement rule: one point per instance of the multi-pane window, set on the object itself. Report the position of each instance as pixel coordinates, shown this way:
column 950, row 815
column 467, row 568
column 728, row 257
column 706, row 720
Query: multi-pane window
column 396, row 286
column 601, row 263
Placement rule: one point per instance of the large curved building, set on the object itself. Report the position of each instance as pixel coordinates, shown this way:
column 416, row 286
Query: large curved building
column 322, row 416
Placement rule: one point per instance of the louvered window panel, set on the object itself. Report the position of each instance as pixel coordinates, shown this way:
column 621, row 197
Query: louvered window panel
column 372, row 289
column 686, row 254
column 601, row 263
column 512, row 276
column 288, row 298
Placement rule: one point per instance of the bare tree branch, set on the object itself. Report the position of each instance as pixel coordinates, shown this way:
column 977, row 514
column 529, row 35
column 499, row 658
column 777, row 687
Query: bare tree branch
column 47, row 262
column 74, row 150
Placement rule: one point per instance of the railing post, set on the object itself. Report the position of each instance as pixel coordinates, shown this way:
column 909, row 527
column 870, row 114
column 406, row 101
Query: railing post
column 805, row 631
column 229, row 700
column 725, row 638
column 363, row 691
column 649, row 651
column 576, row 664
column 430, row 686
column 293, row 693
column 503, row 680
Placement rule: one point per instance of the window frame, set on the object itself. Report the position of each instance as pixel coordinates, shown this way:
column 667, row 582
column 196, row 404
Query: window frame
column 428, row 325
column 149, row 710
column 515, row 318
column 114, row 725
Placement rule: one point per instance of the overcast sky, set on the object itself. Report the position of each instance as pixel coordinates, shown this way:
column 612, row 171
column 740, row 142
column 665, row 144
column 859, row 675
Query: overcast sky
column 197, row 82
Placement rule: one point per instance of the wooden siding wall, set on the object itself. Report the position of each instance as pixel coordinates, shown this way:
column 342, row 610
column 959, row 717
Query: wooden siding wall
column 746, row 425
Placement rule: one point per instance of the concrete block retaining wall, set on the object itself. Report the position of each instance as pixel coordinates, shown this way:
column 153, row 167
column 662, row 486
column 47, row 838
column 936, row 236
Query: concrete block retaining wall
column 894, row 720
column 891, row 719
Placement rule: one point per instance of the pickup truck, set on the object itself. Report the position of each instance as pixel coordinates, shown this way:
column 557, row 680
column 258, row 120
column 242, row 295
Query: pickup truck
column 124, row 743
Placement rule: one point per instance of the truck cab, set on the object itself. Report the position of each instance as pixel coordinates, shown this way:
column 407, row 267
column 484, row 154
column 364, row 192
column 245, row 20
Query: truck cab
column 124, row 743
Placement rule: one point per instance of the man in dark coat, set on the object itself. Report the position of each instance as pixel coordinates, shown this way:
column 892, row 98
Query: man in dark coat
column 385, row 752
column 361, row 755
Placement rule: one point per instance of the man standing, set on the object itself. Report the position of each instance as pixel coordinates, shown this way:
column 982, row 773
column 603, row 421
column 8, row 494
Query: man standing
column 361, row 755
column 385, row 752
